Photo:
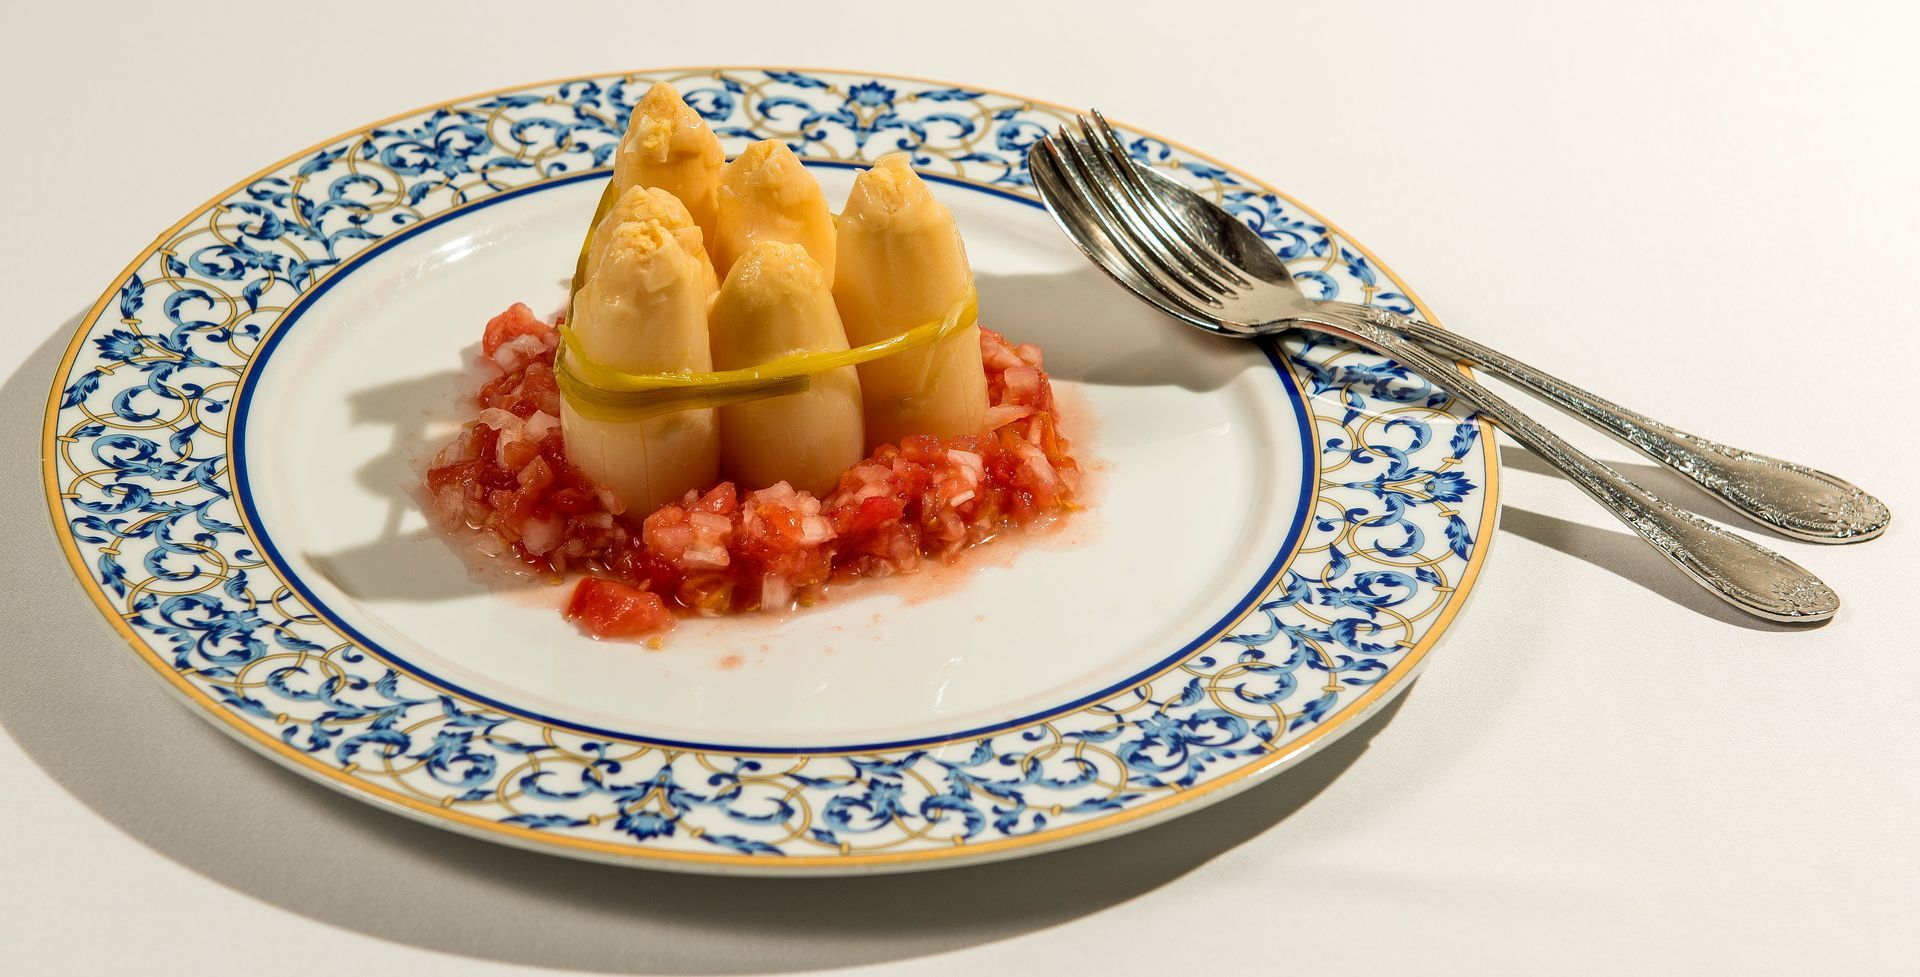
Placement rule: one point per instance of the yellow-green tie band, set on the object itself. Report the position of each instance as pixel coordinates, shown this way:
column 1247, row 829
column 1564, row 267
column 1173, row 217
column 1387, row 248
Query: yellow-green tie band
column 596, row 390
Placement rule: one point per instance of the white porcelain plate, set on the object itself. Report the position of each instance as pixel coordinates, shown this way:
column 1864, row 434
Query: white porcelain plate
column 1277, row 534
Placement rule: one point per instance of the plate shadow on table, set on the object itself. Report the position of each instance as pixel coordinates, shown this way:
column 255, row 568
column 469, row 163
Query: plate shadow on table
column 75, row 699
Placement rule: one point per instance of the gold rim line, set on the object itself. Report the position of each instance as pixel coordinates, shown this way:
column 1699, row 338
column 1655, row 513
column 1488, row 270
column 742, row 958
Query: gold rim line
column 335, row 778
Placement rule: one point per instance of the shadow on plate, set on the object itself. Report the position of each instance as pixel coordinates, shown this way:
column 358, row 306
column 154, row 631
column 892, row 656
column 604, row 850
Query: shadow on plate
column 1145, row 350
column 388, row 567
column 1095, row 333
column 76, row 700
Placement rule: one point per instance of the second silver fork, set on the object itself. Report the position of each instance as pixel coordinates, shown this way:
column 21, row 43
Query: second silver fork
column 1204, row 275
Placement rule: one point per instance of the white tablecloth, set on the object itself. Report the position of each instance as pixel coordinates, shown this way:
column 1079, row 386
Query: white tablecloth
column 1705, row 210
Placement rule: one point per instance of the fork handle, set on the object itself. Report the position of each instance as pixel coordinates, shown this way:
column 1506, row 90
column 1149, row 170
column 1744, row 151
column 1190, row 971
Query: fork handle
column 1792, row 499
column 1739, row 571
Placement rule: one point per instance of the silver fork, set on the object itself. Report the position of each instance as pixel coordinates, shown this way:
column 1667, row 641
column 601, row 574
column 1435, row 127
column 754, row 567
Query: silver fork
column 1197, row 263
column 1792, row 499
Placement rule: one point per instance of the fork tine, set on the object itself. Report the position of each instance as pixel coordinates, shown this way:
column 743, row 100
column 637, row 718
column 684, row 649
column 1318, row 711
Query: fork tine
column 1126, row 228
column 1193, row 248
column 1045, row 167
column 1110, row 174
column 1065, row 188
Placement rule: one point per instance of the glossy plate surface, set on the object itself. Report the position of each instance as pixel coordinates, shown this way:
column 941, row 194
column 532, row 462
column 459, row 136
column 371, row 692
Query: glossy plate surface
column 1278, row 533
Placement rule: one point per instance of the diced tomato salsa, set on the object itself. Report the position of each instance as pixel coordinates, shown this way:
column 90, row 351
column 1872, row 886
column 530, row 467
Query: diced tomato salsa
column 611, row 609
column 722, row 551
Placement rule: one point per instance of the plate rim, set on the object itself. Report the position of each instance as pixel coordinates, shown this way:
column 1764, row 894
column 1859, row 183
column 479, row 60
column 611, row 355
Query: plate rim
column 1332, row 727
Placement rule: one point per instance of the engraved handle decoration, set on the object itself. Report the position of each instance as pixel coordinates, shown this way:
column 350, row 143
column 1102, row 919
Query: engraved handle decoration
column 1793, row 499
column 1741, row 572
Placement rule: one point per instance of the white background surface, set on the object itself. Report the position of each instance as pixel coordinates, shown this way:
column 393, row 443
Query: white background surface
column 1705, row 210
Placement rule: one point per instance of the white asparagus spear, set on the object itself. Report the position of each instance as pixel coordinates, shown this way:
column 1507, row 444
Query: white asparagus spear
column 668, row 145
column 766, row 194
column 644, row 310
column 642, row 204
column 901, row 263
column 776, row 301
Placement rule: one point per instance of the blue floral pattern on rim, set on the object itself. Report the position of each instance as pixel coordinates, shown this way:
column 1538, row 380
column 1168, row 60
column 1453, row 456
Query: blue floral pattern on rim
column 139, row 479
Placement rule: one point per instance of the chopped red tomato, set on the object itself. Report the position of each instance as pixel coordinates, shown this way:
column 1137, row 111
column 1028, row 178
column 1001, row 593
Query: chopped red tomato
column 512, row 324
column 726, row 550
column 611, row 609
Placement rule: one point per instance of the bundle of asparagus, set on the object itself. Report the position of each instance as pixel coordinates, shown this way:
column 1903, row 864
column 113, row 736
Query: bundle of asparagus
column 717, row 306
